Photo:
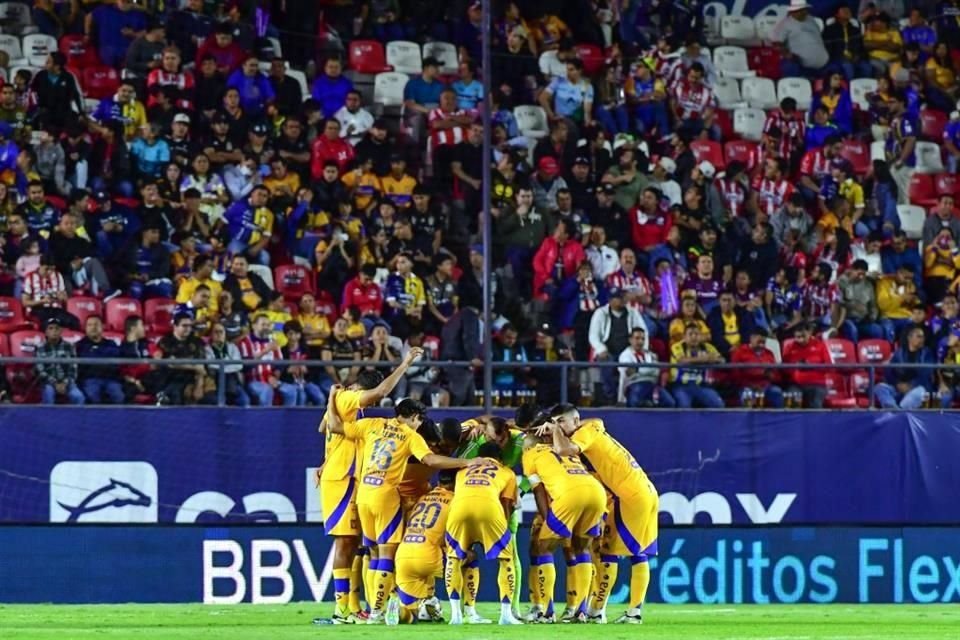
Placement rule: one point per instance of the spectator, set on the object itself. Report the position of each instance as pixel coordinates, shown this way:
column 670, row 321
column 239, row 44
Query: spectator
column 315, row 325
column 405, row 297
column 75, row 256
column 570, row 98
column 546, row 183
column 441, row 293
column 804, row 49
column 183, row 383
column 821, row 300
column 113, row 27
column 808, row 350
column 604, row 259
column 200, row 274
column 198, row 308
column 942, row 217
column 57, row 379
column 761, row 381
column 421, row 95
column 460, row 341
column 469, row 90
column 895, row 295
column 297, row 375
column 99, row 382
column 289, row 94
column 689, row 386
column 250, row 225
column 844, row 44
column 626, row 178
column 27, row 263
column 146, row 52
column 941, row 261
column 229, row 56
column 907, row 389
column 263, row 380
column 547, row 348
column 148, row 266
column 331, row 88
column 365, row 294
column 640, row 385
column 693, row 103
column 256, row 92
column 177, row 83
column 44, row 295
column 609, row 334
column 704, row 284
column 858, row 304
column 557, row 258
column 882, row 43
column 505, row 349
column 330, row 146
column 40, row 216
column 219, row 348
column 901, row 144
column 246, row 287
column 898, row 253
column 150, row 152
column 137, row 377
column 354, row 120
column 792, row 225
column 730, row 325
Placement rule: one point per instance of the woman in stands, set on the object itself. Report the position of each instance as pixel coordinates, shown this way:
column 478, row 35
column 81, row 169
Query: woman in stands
column 835, row 96
column 941, row 77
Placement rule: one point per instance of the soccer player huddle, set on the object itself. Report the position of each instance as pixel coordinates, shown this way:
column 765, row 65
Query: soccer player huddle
column 408, row 500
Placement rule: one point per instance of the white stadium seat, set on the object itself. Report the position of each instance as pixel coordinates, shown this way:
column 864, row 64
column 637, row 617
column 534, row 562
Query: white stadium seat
column 532, row 121
column 748, row 123
column 264, row 272
column 929, row 158
column 797, row 88
column 36, row 48
column 759, row 93
column 738, row 30
column 446, row 53
column 764, row 26
column 731, row 62
column 301, row 79
column 404, row 56
column 859, row 88
column 11, row 45
column 728, row 95
column 388, row 88
column 912, row 218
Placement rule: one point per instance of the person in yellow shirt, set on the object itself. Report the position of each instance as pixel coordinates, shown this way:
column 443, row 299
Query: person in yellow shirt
column 482, row 505
column 941, row 261
column 941, row 80
column 202, row 274
column 388, row 444
column 836, row 215
column 882, row 43
column 398, row 185
column 896, row 294
column 279, row 314
column 356, row 330
column 689, row 312
column 132, row 113
column 282, row 183
column 364, row 185
column 572, row 504
column 687, row 378
column 316, row 326
column 420, row 554
column 848, row 188
column 633, row 530
column 338, row 482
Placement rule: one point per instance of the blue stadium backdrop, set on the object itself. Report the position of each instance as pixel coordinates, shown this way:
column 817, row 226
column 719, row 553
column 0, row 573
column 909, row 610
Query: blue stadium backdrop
column 864, row 502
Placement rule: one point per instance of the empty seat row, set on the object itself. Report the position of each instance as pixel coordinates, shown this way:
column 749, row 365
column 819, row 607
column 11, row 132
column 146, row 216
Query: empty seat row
column 761, row 93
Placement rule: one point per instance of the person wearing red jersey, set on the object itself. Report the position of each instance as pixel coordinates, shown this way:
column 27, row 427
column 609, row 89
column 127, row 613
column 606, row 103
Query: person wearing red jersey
column 693, row 102
column 263, row 379
column 816, row 166
column 789, row 120
column 807, row 349
column 557, row 258
column 772, row 190
column 364, row 294
column 820, row 299
column 650, row 220
column 448, row 128
column 169, row 74
column 330, row 146
column 637, row 291
column 733, row 186
column 763, row 379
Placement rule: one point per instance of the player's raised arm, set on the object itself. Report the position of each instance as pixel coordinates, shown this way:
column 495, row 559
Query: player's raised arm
column 333, row 420
column 437, row 461
column 373, row 396
column 562, row 445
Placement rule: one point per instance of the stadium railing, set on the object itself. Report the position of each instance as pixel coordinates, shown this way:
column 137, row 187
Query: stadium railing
column 873, row 372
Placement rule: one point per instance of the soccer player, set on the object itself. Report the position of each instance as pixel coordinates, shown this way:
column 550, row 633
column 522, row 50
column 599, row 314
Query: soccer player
column 387, row 446
column 635, row 502
column 483, row 500
column 571, row 503
column 420, row 554
column 338, row 486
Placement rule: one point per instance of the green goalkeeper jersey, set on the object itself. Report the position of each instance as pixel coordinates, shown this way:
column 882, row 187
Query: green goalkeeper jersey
column 512, row 453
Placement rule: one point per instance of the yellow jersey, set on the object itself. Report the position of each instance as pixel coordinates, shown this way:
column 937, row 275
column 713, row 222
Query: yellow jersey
column 188, row 286
column 558, row 474
column 340, row 457
column 486, row 483
column 614, row 466
column 428, row 519
column 399, row 190
column 387, row 446
column 365, row 187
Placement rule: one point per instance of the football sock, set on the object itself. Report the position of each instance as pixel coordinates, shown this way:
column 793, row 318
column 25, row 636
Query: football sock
column 507, row 581
column 383, row 582
column 603, row 581
column 471, row 583
column 341, row 590
column 546, row 572
column 368, row 576
column 356, row 582
column 582, row 574
column 639, row 581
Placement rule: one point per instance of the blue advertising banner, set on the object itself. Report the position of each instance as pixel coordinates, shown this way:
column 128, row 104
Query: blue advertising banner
column 150, row 465
column 277, row 565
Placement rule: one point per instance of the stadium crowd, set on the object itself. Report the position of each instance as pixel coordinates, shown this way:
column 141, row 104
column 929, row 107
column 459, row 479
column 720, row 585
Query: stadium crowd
column 273, row 180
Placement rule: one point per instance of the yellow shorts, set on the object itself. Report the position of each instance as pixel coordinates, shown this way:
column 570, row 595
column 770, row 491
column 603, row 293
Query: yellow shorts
column 576, row 515
column 470, row 523
column 418, row 567
column 633, row 525
column 381, row 518
column 338, row 500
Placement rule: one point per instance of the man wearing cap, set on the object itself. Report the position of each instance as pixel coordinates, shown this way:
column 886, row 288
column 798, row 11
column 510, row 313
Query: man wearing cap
column 421, row 95
column 582, row 188
column 354, row 120
column 607, row 213
column 181, row 148
column 803, row 44
column 762, row 380
column 663, row 173
column 609, row 334
column 546, row 182
column 640, row 385
column 57, row 379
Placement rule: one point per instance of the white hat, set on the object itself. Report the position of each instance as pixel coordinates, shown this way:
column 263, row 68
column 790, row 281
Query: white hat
column 797, row 5
column 182, row 117
column 667, row 165
column 707, row 169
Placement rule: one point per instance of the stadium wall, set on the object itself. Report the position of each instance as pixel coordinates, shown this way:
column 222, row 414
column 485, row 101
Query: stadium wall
column 219, row 505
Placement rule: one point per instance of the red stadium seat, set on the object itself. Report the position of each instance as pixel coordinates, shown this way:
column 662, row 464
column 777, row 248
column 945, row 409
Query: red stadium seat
column 431, row 344
column 83, row 307
column 946, row 184
column 4, row 345
column 11, row 315
column 100, row 83
column 293, row 280
column 838, row 395
column 842, row 351
column 874, row 351
column 765, row 61
column 368, row 56
column 158, row 315
column 119, row 309
column 21, row 377
column 71, row 336
column 80, row 55
column 922, row 191
column 592, row 57
column 858, row 154
column 932, row 124
column 741, row 151
column 710, row 151
column 326, row 305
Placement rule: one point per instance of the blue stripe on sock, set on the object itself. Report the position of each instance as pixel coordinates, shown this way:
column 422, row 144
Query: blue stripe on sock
column 639, row 559
column 472, row 565
column 341, row 585
column 387, row 565
column 538, row 560
column 374, row 564
column 611, row 559
column 583, row 557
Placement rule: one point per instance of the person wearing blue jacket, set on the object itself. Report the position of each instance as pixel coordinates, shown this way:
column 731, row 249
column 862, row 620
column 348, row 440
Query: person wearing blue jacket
column 256, row 92
column 907, row 388
column 331, row 87
column 574, row 302
column 836, row 98
column 248, row 226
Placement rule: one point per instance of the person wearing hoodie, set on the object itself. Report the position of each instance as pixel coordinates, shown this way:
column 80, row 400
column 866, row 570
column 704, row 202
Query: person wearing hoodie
column 609, row 334
column 520, row 230
column 858, row 304
column 762, row 380
column 51, row 163
column 807, row 349
column 557, row 258
column 730, row 325
column 906, row 388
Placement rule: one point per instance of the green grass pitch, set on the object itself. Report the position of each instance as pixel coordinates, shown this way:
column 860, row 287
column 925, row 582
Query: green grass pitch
column 717, row 622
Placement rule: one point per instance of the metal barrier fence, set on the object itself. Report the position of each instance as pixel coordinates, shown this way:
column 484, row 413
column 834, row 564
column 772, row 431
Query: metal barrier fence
column 873, row 372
